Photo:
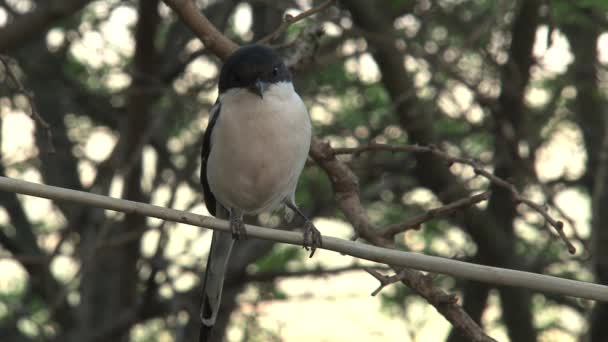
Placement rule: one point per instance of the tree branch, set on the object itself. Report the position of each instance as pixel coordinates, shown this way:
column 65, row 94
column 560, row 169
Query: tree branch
column 202, row 27
column 493, row 275
column 30, row 98
column 346, row 188
column 480, row 171
column 415, row 222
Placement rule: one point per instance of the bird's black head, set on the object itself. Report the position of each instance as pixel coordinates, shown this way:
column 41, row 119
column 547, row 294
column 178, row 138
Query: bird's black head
column 253, row 67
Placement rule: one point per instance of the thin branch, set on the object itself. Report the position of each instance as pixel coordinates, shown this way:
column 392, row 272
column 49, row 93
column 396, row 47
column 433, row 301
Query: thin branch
column 493, row 275
column 417, row 221
column 384, row 280
column 30, row 99
column 346, row 189
column 442, row 298
column 480, row 171
column 288, row 20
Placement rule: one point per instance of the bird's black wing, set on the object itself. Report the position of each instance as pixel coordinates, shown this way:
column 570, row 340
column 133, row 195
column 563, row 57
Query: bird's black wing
column 210, row 200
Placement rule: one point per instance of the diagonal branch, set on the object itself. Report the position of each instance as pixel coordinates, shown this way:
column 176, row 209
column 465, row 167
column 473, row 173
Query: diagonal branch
column 460, row 269
column 289, row 20
column 202, row 27
column 440, row 297
column 415, row 222
column 30, row 98
column 346, row 188
column 478, row 169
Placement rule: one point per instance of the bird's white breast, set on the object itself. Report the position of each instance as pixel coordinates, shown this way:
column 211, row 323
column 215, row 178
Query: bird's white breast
column 259, row 147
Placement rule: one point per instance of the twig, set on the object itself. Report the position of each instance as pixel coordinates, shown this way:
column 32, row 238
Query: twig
column 477, row 169
column 30, row 99
column 460, row 269
column 417, row 221
column 443, row 298
column 575, row 230
column 288, row 20
column 384, row 280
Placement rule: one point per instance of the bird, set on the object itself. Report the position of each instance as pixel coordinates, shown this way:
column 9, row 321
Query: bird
column 254, row 150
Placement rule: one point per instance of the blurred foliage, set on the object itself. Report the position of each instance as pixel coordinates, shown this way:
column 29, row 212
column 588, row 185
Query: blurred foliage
column 578, row 12
column 455, row 54
column 279, row 259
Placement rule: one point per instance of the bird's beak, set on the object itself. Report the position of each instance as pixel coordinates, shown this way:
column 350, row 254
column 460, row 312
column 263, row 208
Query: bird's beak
column 258, row 88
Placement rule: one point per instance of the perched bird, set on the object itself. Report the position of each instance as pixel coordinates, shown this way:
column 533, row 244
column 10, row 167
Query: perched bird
column 254, row 150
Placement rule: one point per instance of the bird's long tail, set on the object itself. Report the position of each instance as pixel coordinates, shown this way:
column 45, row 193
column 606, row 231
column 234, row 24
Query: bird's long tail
column 217, row 263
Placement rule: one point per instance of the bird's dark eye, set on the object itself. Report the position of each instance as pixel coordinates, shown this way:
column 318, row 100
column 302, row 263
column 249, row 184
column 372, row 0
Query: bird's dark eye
column 275, row 71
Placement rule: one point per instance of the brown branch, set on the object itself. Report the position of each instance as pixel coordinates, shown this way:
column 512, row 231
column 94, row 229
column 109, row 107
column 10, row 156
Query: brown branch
column 346, row 189
column 570, row 220
column 30, row 99
column 417, row 221
column 479, row 171
column 384, row 280
column 439, row 297
column 213, row 39
column 288, row 20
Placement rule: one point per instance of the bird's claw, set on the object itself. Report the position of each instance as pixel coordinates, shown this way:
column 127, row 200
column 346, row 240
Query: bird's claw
column 312, row 238
column 237, row 227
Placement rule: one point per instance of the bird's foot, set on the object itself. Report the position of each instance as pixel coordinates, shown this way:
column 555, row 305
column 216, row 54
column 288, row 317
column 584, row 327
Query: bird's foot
column 237, row 227
column 312, row 237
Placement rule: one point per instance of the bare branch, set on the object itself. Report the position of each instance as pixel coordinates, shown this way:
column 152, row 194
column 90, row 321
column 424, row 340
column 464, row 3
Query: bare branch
column 288, row 20
column 493, row 275
column 417, row 221
column 480, row 171
column 346, row 190
column 384, row 280
column 30, row 98
column 202, row 27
